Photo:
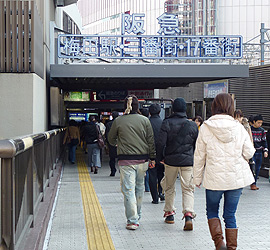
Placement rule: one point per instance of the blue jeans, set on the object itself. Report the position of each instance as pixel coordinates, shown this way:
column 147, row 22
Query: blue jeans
column 132, row 187
column 71, row 152
column 93, row 155
column 257, row 158
column 146, row 182
column 231, row 199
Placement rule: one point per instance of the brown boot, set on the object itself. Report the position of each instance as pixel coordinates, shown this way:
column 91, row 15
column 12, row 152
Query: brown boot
column 231, row 238
column 216, row 233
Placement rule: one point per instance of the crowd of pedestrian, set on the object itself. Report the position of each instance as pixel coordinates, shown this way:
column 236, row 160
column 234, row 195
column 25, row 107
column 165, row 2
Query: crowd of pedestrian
column 223, row 154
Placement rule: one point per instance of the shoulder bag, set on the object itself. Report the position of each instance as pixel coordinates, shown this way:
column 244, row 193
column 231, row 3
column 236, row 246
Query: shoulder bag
column 100, row 139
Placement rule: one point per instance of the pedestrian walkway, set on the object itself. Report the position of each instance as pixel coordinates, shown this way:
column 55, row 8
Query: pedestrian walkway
column 89, row 214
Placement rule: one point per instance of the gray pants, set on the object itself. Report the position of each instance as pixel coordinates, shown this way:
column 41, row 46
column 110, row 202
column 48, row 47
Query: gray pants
column 93, row 155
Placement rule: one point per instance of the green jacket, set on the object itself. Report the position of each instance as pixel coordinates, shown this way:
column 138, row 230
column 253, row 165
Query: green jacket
column 134, row 137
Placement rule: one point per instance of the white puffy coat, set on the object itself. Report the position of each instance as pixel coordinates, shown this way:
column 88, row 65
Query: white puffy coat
column 223, row 149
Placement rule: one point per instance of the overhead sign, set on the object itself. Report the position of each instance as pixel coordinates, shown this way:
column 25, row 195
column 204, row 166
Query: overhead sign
column 77, row 96
column 168, row 44
column 212, row 89
column 142, row 93
column 111, row 95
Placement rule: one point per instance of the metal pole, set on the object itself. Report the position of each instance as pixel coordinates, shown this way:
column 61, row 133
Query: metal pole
column 262, row 42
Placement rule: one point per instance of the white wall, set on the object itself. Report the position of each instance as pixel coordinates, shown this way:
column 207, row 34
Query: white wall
column 22, row 105
column 242, row 17
column 39, row 105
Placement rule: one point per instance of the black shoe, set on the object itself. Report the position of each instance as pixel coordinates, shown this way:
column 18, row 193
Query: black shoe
column 169, row 219
column 95, row 172
column 162, row 197
column 188, row 224
column 112, row 174
column 155, row 202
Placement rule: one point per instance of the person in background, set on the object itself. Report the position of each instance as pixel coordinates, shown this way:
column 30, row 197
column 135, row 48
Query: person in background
column 112, row 149
column 145, row 112
column 250, row 120
column 223, row 149
column 156, row 172
column 260, row 144
column 238, row 115
column 198, row 120
column 102, row 129
column 90, row 137
column 72, row 137
column 176, row 144
column 83, row 124
column 133, row 135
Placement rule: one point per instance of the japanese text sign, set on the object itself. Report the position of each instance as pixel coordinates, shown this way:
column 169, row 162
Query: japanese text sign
column 168, row 44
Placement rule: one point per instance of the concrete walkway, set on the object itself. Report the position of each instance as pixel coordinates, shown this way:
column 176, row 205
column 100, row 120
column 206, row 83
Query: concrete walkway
column 68, row 230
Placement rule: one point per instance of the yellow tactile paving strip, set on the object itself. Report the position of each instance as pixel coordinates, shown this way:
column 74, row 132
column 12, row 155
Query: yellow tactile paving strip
column 98, row 234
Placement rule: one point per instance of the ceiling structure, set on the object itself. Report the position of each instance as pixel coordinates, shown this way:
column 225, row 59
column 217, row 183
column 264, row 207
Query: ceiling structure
column 80, row 77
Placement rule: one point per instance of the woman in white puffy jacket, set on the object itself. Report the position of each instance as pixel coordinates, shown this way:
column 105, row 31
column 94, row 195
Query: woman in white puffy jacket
column 223, row 149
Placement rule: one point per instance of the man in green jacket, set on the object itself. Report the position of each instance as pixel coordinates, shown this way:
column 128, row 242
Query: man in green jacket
column 133, row 135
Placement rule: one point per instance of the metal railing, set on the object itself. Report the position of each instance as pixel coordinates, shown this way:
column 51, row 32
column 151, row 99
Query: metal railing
column 27, row 164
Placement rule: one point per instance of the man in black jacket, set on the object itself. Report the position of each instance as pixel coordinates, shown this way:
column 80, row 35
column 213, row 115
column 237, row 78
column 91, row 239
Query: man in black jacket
column 175, row 147
column 90, row 137
column 156, row 173
column 112, row 149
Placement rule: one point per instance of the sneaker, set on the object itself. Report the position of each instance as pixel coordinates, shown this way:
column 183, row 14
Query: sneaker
column 169, row 219
column 132, row 226
column 188, row 222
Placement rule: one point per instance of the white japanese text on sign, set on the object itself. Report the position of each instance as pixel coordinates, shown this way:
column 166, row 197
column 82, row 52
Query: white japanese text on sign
column 168, row 44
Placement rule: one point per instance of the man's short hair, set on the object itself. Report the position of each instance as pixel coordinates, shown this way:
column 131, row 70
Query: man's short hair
column 258, row 118
column 154, row 109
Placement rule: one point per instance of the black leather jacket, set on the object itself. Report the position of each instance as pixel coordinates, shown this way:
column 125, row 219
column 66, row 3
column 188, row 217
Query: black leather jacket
column 177, row 138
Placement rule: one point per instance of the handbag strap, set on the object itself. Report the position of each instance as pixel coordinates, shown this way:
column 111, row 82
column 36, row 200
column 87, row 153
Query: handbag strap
column 98, row 130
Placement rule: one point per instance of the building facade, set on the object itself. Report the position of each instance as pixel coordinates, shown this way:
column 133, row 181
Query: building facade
column 25, row 63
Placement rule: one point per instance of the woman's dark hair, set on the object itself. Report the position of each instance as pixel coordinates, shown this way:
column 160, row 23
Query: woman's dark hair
column 238, row 113
column 72, row 123
column 197, row 117
column 223, row 104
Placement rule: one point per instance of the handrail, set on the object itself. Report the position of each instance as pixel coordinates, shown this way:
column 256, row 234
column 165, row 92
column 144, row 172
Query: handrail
column 12, row 147
column 27, row 165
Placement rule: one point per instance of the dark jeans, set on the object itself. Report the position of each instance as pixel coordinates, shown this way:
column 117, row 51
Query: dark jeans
column 231, row 199
column 155, row 176
column 71, row 152
column 112, row 165
column 257, row 158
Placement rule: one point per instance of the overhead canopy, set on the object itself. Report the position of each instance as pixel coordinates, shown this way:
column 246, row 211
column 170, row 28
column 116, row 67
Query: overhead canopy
column 140, row 75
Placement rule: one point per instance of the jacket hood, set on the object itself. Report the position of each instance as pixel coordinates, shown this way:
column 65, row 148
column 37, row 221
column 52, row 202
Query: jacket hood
column 179, row 114
column 223, row 127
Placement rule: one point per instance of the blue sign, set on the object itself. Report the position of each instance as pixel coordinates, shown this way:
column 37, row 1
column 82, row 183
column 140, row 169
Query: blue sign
column 168, row 44
column 212, row 89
